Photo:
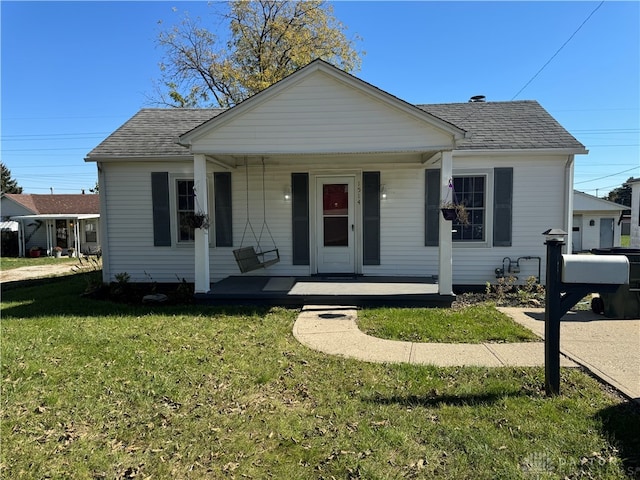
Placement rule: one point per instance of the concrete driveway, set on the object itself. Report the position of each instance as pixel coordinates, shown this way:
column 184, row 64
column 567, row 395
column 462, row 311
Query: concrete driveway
column 607, row 347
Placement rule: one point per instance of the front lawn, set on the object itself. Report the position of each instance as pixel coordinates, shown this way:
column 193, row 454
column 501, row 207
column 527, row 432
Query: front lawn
column 93, row 389
column 473, row 324
column 625, row 241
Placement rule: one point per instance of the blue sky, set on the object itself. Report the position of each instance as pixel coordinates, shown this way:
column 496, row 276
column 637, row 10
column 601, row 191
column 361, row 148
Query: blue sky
column 72, row 72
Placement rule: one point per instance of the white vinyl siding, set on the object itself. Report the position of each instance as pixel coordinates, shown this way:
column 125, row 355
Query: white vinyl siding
column 538, row 204
column 538, row 186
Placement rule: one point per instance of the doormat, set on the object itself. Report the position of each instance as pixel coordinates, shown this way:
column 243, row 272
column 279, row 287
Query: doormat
column 279, row 284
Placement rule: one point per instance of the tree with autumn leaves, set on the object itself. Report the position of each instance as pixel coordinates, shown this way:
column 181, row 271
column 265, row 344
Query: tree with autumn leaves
column 263, row 41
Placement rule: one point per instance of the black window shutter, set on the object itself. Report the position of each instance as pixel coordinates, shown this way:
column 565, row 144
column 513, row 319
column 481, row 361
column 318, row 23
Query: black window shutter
column 223, row 218
column 371, row 218
column 300, row 217
column 161, row 209
column 502, row 206
column 432, row 208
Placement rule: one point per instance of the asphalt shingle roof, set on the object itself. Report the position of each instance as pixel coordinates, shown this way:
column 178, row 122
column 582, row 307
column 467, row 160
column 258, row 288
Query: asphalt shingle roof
column 153, row 133
column 58, row 204
column 504, row 125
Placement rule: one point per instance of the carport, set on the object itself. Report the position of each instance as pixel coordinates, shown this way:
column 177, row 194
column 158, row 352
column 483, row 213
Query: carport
column 74, row 223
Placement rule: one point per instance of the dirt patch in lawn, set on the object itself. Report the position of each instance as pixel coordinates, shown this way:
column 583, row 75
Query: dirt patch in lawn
column 36, row 271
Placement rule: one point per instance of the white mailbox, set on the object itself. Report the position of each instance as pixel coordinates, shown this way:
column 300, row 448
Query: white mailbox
column 596, row 269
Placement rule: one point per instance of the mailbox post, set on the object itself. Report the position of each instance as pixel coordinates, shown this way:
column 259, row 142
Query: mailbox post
column 569, row 279
column 552, row 311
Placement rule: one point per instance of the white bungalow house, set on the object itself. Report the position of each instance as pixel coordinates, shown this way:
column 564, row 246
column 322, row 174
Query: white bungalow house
column 595, row 222
column 44, row 222
column 346, row 178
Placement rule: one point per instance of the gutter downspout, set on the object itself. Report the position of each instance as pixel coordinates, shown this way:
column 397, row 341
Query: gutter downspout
column 569, row 172
column 103, row 221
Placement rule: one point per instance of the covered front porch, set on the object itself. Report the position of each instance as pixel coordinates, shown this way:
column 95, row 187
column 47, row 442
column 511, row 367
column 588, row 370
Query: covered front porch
column 327, row 290
column 329, row 148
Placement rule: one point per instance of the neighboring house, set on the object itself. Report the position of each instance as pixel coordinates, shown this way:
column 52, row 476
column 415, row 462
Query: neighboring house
column 634, row 241
column 48, row 221
column 595, row 222
column 349, row 177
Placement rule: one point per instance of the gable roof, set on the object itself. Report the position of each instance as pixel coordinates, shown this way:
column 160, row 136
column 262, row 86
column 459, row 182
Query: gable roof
column 585, row 202
column 519, row 125
column 339, row 78
column 57, row 204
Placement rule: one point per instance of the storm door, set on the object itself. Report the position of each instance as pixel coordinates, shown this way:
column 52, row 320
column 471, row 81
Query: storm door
column 62, row 234
column 335, row 227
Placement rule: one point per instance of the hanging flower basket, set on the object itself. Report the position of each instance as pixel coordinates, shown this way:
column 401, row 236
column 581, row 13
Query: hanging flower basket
column 448, row 213
column 199, row 220
column 455, row 212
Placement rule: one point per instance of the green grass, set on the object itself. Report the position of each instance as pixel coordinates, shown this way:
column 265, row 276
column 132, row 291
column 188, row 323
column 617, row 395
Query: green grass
column 476, row 324
column 93, row 389
column 625, row 240
column 9, row 263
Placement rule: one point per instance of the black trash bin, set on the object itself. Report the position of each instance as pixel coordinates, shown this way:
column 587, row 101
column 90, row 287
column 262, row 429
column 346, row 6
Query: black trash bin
column 625, row 301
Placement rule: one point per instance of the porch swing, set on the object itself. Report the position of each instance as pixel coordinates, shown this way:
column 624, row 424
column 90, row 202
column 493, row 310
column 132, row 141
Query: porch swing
column 248, row 258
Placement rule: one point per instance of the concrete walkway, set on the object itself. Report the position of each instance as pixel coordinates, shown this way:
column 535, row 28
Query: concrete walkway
column 608, row 348
column 333, row 330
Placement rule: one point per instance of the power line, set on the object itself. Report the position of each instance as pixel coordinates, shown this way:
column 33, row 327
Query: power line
column 41, row 149
column 616, row 145
column 606, row 176
column 600, row 188
column 37, row 135
column 558, row 51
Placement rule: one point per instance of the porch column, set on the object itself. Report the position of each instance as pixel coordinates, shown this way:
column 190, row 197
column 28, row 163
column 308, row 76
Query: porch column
column 76, row 235
column 445, row 249
column 201, row 246
column 21, row 242
column 50, row 225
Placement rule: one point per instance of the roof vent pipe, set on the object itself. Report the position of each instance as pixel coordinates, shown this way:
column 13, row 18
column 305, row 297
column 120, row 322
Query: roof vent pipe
column 478, row 99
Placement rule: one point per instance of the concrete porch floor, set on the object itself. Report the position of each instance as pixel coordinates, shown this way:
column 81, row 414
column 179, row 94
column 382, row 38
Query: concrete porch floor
column 327, row 290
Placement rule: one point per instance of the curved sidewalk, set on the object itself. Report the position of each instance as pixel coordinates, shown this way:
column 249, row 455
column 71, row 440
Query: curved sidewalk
column 333, row 330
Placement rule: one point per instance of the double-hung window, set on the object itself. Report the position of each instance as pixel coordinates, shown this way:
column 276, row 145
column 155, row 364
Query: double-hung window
column 186, row 208
column 471, row 192
column 90, row 231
